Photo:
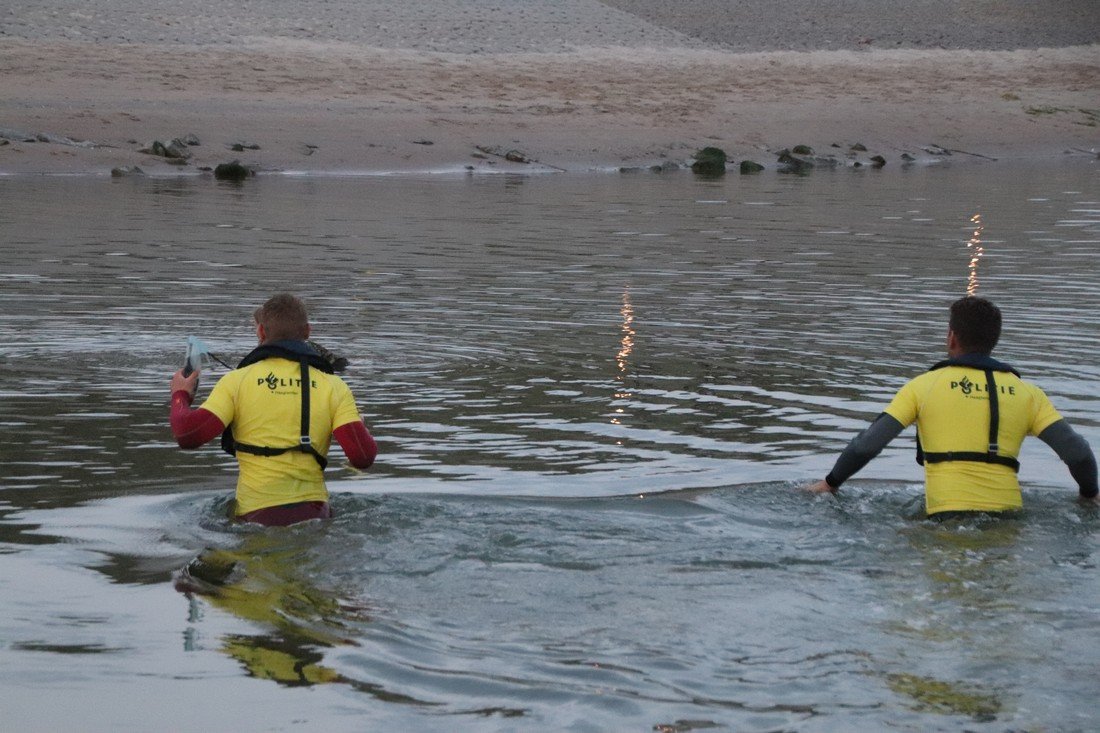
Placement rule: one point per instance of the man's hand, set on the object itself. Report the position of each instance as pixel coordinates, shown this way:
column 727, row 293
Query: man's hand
column 186, row 384
column 821, row 487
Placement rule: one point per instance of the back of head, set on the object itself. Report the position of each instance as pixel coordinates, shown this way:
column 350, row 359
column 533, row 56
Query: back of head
column 976, row 323
column 283, row 317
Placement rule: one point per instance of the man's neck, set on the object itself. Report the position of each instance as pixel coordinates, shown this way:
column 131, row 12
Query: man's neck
column 957, row 353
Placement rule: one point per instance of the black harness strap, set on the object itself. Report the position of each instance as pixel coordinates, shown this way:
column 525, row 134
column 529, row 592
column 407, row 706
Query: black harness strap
column 305, row 443
column 991, row 455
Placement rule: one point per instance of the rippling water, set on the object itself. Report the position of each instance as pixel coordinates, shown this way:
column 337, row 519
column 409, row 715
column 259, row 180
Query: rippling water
column 594, row 398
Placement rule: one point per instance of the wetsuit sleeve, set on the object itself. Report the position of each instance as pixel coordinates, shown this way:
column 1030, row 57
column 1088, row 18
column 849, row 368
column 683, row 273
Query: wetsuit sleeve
column 863, row 448
column 349, row 430
column 357, row 443
column 1076, row 453
column 192, row 428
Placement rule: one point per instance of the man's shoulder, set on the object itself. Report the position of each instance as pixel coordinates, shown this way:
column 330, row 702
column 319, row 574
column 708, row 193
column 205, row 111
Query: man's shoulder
column 1031, row 387
column 231, row 378
column 925, row 377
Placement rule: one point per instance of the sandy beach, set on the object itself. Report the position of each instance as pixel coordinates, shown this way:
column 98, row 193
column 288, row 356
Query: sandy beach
column 365, row 87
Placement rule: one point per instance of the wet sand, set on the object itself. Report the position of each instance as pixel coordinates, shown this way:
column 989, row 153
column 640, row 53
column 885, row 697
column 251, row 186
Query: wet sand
column 357, row 87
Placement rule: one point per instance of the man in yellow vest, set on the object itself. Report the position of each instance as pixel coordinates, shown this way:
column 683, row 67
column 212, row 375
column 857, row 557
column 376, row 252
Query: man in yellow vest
column 972, row 413
column 277, row 412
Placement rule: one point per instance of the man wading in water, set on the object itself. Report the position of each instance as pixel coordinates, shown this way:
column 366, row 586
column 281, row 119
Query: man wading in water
column 278, row 411
column 972, row 414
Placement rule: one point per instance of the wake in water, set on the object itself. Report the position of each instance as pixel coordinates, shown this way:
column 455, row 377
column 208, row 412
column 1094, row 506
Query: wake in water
column 693, row 605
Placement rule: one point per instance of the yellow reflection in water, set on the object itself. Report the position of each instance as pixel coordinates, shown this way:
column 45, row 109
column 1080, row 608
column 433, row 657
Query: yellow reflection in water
column 261, row 582
column 976, row 252
column 949, row 698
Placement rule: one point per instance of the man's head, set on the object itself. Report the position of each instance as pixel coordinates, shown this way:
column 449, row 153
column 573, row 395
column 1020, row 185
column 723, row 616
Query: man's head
column 283, row 317
column 975, row 325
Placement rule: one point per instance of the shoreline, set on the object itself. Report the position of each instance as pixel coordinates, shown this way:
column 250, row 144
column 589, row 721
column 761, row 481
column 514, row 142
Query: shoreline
column 329, row 108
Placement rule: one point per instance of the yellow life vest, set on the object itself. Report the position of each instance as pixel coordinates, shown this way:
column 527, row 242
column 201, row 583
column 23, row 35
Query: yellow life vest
column 989, row 365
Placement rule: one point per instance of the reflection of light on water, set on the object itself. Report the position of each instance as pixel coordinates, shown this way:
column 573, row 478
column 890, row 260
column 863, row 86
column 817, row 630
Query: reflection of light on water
column 976, row 252
column 626, row 347
column 627, row 342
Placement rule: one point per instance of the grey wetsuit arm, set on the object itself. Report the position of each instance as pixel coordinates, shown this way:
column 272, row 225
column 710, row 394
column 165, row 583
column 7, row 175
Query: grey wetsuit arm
column 1076, row 453
column 863, row 448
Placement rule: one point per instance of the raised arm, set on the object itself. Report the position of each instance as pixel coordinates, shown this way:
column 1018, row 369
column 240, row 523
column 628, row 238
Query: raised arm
column 191, row 428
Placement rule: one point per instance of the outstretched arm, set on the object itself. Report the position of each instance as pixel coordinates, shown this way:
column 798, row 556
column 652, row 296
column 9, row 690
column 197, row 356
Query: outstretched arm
column 1075, row 452
column 859, row 452
column 357, row 443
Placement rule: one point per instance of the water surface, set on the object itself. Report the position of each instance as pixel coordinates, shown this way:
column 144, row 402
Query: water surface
column 594, row 398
